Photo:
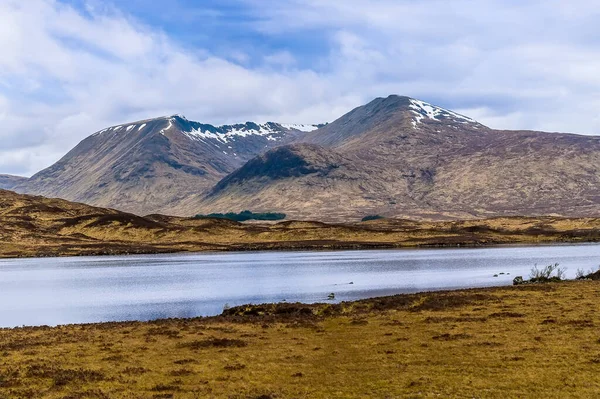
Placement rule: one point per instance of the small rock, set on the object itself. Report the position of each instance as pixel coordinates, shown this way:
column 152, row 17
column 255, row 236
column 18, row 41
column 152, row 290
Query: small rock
column 518, row 280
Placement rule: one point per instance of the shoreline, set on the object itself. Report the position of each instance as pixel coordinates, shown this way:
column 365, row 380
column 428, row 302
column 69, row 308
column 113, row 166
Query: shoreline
column 444, row 343
column 288, row 246
column 267, row 305
column 247, row 308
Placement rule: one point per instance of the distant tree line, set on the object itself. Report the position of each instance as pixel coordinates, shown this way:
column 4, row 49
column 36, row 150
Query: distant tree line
column 371, row 217
column 244, row 215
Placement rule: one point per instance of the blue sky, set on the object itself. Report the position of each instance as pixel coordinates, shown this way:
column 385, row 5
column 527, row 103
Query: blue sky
column 72, row 67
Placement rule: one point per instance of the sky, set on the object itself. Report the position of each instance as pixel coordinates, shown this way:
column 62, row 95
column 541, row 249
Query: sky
column 69, row 68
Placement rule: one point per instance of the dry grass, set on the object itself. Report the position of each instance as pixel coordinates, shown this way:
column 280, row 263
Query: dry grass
column 527, row 341
column 36, row 226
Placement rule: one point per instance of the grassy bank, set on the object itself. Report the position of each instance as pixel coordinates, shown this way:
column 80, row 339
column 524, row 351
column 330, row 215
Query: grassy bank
column 537, row 340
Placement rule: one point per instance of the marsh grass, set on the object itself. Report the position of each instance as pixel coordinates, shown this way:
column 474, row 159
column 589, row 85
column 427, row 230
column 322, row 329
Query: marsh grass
column 538, row 340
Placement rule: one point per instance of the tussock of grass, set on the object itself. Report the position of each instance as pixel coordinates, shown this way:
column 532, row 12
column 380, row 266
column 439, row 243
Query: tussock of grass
column 214, row 343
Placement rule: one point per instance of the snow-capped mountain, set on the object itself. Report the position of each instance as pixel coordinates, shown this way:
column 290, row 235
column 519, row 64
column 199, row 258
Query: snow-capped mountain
column 402, row 157
column 154, row 165
column 395, row 156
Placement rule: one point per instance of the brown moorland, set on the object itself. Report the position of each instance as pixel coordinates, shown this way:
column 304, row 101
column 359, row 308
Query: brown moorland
column 38, row 226
column 531, row 341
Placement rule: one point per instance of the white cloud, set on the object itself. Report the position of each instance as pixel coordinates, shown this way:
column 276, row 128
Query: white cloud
column 65, row 74
column 536, row 59
column 281, row 58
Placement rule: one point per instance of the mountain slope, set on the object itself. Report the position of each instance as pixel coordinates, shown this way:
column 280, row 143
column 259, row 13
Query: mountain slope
column 422, row 161
column 153, row 165
column 295, row 177
column 9, row 181
column 395, row 156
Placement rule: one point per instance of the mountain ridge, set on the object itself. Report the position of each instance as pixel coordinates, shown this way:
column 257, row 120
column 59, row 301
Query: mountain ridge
column 426, row 162
column 134, row 166
column 398, row 156
column 9, row 181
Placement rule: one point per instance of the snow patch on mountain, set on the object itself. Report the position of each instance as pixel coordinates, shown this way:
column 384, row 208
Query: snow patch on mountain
column 423, row 110
column 227, row 133
column 301, row 127
column 100, row 132
column 164, row 129
column 223, row 134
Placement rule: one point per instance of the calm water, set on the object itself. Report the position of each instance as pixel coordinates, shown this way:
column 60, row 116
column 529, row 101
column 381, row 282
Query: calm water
column 91, row 289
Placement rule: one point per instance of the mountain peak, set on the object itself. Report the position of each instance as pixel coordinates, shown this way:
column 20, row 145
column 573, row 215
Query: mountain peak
column 137, row 125
column 386, row 119
column 422, row 111
column 391, row 103
column 272, row 131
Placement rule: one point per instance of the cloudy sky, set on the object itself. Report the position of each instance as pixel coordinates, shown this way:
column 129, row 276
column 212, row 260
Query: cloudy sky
column 69, row 68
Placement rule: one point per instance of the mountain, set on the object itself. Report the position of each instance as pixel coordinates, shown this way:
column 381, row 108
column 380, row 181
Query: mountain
column 9, row 181
column 294, row 177
column 403, row 157
column 155, row 165
column 395, row 156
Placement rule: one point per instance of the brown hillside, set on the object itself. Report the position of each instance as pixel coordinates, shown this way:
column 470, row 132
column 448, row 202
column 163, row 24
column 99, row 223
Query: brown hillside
column 411, row 159
column 37, row 226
